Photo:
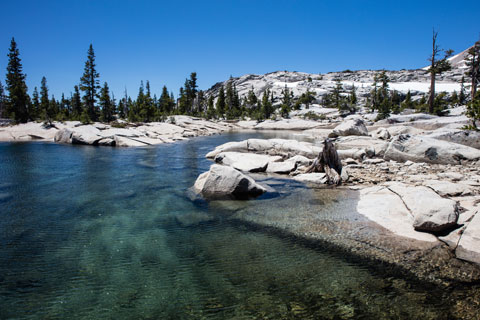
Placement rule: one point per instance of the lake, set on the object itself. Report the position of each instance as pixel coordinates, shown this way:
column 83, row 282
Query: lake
column 113, row 233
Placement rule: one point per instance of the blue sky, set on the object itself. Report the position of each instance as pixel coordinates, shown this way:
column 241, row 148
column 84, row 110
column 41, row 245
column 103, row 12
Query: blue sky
column 163, row 41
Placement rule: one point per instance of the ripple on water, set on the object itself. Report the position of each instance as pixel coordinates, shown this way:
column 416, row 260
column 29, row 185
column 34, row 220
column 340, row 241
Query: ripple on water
column 119, row 238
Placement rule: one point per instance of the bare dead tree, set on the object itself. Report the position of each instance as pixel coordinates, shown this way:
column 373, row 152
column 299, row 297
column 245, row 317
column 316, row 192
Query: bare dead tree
column 328, row 162
column 437, row 66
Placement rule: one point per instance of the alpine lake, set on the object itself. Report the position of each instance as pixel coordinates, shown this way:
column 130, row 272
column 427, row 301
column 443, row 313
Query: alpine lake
column 114, row 233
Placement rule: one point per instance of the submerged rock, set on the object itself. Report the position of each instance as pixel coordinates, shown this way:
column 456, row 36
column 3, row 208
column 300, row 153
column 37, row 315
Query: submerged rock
column 226, row 182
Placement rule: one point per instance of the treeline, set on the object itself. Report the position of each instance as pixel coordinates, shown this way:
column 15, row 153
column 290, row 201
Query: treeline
column 91, row 101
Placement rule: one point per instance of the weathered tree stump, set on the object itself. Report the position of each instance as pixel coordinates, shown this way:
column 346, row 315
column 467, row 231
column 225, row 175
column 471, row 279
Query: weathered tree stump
column 328, row 161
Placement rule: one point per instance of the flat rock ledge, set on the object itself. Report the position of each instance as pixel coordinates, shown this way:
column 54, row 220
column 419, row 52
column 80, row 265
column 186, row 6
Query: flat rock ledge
column 120, row 134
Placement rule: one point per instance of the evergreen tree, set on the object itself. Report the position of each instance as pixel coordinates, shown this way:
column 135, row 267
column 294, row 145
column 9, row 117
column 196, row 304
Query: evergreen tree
column 199, row 103
column 35, row 104
column 166, row 102
column 47, row 110
column 18, row 99
column 267, row 106
column 211, row 108
column 106, row 104
column 353, row 96
column 76, row 104
column 2, row 101
column 462, row 96
column 437, row 66
column 286, row 105
column 146, row 106
column 337, row 96
column 473, row 111
column 473, row 64
column 220, row 106
column 89, row 84
column 53, row 108
column 408, row 103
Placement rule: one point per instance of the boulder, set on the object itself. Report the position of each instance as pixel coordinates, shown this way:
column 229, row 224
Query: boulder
column 63, row 136
column 238, row 146
column 381, row 133
column 465, row 137
column 300, row 160
column 425, row 149
column 469, row 245
column 354, row 127
column 86, row 134
column 225, row 182
column 447, row 188
column 314, row 177
column 249, row 162
column 431, row 212
column 384, row 207
column 281, row 167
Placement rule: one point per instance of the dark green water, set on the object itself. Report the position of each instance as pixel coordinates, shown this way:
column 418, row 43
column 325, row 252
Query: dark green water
column 111, row 233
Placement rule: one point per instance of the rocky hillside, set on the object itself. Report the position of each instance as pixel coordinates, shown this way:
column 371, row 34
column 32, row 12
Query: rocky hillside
column 417, row 81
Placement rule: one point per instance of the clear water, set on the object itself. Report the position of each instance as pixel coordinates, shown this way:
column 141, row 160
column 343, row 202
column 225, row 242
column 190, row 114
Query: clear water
column 111, row 233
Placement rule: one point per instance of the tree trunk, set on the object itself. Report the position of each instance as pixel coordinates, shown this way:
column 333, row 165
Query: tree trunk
column 435, row 49
column 328, row 162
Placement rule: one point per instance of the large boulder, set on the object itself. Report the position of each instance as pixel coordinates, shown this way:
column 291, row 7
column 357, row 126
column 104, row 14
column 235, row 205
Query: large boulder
column 249, row 162
column 431, row 212
column 87, row 134
column 469, row 245
column 424, row 149
column 63, row 136
column 382, row 206
column 225, row 182
column 466, row 137
column 281, row 167
column 354, row 127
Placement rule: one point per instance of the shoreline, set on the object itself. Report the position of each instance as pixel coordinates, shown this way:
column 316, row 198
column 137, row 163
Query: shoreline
column 370, row 165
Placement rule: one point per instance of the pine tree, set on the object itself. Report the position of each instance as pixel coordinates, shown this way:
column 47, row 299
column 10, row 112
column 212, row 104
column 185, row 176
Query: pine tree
column 267, row 106
column 286, row 105
column 220, row 106
column 106, row 104
column 146, row 105
column 46, row 109
column 353, row 96
column 436, row 67
column 76, row 104
column 211, row 108
column 473, row 64
column 199, row 103
column 18, row 99
column 408, row 103
column 336, row 94
column 462, row 96
column 2, row 101
column 35, row 104
column 89, row 84
column 52, row 109
column 473, row 111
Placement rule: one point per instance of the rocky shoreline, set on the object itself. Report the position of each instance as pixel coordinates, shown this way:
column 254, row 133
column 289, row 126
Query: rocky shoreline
column 413, row 179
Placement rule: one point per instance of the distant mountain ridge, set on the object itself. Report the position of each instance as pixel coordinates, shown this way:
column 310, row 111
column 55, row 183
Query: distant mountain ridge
column 416, row 81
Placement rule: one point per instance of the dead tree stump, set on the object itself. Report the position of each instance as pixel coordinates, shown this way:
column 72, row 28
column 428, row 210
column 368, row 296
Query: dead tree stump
column 328, row 161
